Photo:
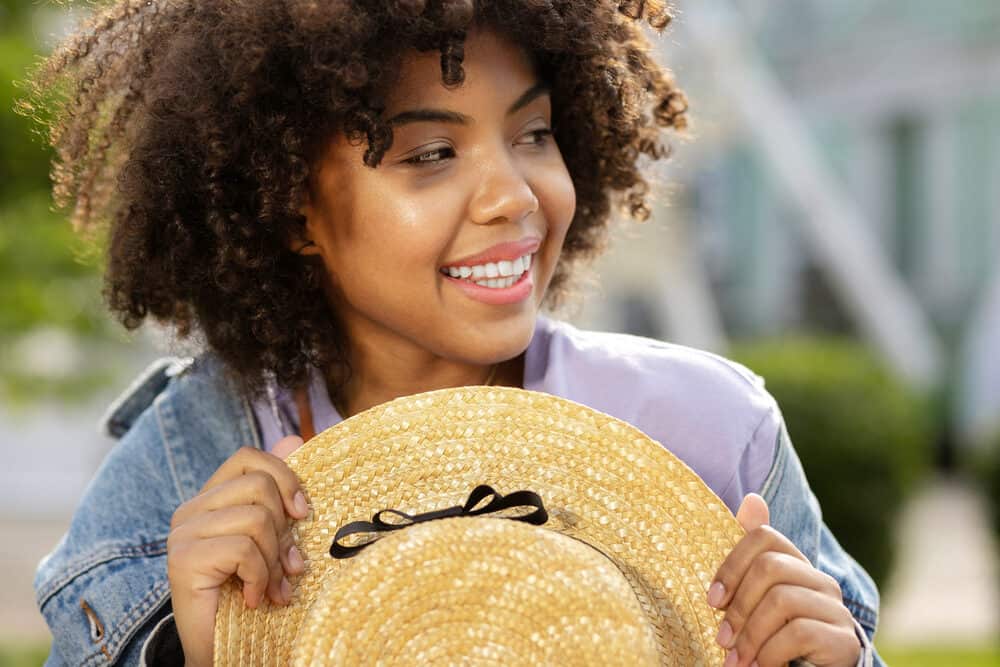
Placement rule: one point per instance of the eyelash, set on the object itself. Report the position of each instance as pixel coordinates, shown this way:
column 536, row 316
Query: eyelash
column 541, row 135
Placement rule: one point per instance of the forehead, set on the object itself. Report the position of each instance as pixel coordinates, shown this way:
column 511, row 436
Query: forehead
column 493, row 64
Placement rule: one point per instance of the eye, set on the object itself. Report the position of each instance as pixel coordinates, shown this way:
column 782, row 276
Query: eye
column 428, row 157
column 541, row 136
column 439, row 155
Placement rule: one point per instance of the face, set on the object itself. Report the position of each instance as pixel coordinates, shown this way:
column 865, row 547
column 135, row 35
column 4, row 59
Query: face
column 473, row 187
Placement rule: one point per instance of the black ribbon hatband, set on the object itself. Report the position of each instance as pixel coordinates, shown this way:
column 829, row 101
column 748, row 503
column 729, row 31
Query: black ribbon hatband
column 498, row 502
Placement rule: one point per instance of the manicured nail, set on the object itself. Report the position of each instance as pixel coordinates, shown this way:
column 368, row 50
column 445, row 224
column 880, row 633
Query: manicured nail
column 731, row 659
column 300, row 504
column 286, row 590
column 295, row 559
column 725, row 635
column 716, row 592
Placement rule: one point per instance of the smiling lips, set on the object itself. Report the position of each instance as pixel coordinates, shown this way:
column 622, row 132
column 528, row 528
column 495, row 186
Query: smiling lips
column 492, row 274
column 498, row 267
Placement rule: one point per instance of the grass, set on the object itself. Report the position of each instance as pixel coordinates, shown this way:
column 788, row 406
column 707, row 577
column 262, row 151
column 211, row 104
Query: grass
column 963, row 656
column 33, row 655
column 15, row 654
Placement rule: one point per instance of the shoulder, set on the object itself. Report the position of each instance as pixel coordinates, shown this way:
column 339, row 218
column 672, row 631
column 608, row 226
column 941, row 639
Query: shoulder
column 621, row 368
column 186, row 380
column 713, row 413
column 175, row 424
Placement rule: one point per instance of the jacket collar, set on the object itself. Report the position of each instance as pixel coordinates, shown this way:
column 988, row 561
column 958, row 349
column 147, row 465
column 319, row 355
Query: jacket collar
column 203, row 419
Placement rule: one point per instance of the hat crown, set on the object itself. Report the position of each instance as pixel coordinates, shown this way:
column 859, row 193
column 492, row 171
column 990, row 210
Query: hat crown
column 477, row 588
column 603, row 482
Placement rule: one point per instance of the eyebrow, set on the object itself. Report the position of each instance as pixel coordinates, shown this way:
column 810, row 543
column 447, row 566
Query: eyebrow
column 445, row 116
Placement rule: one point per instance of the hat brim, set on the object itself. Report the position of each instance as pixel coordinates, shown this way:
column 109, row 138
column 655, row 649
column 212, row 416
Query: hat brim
column 602, row 481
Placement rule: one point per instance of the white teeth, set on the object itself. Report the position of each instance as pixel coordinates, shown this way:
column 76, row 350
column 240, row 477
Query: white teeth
column 500, row 274
column 497, row 283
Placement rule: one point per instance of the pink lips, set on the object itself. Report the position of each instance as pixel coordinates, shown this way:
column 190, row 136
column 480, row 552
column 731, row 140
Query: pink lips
column 500, row 252
column 498, row 296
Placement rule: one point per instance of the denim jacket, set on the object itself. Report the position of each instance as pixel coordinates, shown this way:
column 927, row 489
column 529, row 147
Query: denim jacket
column 104, row 590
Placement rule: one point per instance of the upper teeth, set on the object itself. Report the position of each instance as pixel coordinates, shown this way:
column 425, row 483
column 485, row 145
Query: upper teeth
column 503, row 268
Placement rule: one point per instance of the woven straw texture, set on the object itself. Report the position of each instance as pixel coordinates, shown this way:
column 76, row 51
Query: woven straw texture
column 602, row 481
column 491, row 592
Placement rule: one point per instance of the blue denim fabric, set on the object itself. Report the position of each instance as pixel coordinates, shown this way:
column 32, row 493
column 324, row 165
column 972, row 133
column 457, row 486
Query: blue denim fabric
column 104, row 587
column 796, row 514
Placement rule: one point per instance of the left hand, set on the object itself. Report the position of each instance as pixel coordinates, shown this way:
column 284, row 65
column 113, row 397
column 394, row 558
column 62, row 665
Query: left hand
column 778, row 606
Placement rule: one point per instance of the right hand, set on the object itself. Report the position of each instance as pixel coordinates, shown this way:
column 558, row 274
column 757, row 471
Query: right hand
column 237, row 524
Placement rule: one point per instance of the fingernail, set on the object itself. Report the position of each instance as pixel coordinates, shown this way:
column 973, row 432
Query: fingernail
column 754, row 664
column 300, row 504
column 725, row 635
column 295, row 559
column 286, row 590
column 731, row 659
column 716, row 592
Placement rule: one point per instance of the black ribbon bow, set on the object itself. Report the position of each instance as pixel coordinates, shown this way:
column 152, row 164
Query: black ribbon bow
column 497, row 503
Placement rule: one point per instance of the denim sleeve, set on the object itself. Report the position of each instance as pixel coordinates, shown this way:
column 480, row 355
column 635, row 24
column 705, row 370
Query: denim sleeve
column 796, row 513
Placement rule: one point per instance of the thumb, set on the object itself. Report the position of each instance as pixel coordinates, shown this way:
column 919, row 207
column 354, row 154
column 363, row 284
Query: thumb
column 753, row 512
column 286, row 446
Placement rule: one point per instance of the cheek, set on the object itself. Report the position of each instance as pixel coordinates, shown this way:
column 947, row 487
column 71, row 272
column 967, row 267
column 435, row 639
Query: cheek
column 557, row 197
column 407, row 230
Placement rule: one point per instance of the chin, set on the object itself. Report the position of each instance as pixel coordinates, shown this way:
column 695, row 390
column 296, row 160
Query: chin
column 503, row 342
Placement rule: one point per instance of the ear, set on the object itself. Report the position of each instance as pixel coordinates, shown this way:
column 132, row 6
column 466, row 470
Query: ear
column 301, row 241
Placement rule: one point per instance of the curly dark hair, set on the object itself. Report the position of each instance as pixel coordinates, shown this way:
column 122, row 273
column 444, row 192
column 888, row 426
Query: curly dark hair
column 181, row 131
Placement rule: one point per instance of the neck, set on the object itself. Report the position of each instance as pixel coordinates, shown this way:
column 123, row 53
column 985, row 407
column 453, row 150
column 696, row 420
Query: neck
column 367, row 387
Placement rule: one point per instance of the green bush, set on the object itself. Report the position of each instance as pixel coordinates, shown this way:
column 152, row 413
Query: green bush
column 864, row 438
column 985, row 469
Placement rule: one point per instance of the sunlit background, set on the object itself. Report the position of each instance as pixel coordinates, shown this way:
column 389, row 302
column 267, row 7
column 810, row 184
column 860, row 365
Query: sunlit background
column 833, row 222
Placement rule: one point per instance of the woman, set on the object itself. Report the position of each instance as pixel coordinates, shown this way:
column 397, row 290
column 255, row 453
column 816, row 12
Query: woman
column 349, row 202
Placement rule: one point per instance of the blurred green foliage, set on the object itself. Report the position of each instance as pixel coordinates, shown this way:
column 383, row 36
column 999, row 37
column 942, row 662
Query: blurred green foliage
column 49, row 277
column 984, row 467
column 864, row 438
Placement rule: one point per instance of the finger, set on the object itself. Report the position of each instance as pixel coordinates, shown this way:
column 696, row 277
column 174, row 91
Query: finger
column 733, row 569
column 251, row 521
column 818, row 642
column 198, row 566
column 753, row 512
column 248, row 459
column 286, row 446
column 254, row 488
column 769, row 571
column 779, row 606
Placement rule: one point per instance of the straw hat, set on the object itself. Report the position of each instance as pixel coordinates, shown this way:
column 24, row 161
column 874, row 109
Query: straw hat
column 611, row 565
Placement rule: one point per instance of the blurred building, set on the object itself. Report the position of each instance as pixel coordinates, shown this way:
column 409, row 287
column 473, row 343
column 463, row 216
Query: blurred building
column 889, row 112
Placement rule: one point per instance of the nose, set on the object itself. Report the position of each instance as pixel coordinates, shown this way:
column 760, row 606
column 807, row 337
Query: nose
column 503, row 195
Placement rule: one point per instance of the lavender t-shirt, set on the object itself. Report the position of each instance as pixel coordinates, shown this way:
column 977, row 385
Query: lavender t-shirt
column 712, row 413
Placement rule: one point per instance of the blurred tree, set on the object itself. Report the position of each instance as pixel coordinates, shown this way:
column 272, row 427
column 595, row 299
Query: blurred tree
column 49, row 278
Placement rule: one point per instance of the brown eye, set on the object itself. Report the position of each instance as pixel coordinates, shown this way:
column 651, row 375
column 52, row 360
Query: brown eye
column 427, row 158
column 541, row 136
